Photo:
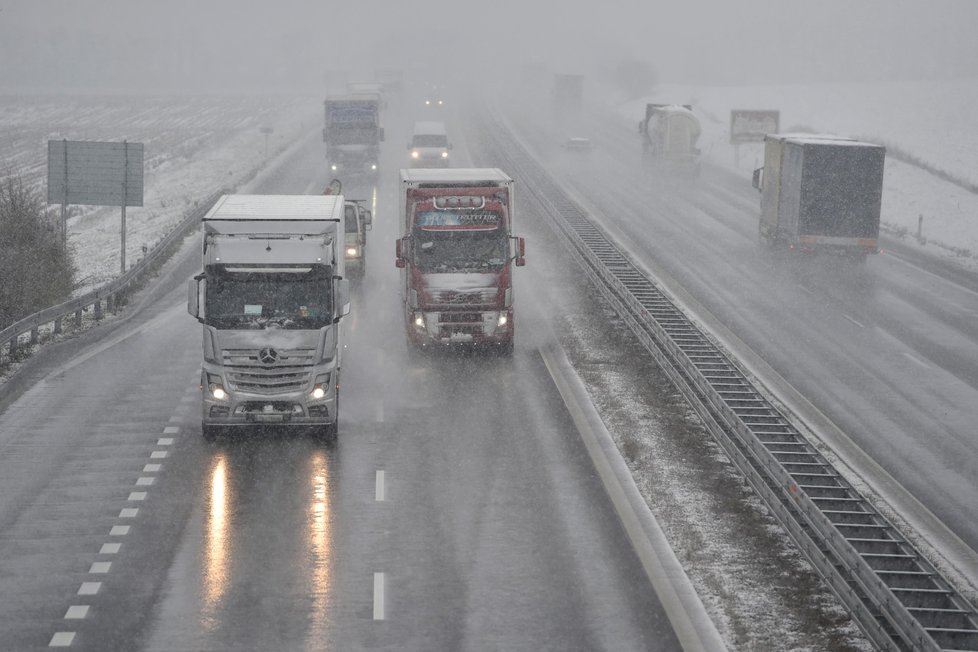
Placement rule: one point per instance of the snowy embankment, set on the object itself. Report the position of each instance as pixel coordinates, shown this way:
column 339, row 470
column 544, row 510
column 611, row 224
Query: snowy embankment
column 932, row 124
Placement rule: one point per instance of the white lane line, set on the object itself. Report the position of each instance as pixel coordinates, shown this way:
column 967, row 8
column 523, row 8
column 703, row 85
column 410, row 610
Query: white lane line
column 77, row 612
column 158, row 455
column 170, row 430
column 152, row 468
column 144, row 482
column 129, row 512
column 378, row 596
column 137, row 496
column 110, row 548
column 165, row 441
column 100, row 567
column 89, row 588
column 62, row 639
column 380, row 486
column 853, row 321
column 119, row 531
column 916, row 361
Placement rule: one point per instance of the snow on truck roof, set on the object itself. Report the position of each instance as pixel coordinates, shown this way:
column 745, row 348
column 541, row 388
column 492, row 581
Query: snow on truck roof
column 821, row 139
column 277, row 207
column 489, row 176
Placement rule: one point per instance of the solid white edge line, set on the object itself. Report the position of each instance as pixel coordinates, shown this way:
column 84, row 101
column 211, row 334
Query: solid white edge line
column 693, row 626
column 378, row 596
column 379, row 492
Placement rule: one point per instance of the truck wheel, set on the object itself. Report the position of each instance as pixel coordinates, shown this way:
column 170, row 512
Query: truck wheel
column 210, row 432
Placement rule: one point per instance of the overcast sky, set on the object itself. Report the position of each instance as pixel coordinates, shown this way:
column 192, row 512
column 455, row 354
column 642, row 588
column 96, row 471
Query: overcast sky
column 292, row 45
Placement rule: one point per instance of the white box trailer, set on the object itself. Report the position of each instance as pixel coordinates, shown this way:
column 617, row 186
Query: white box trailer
column 270, row 297
column 820, row 192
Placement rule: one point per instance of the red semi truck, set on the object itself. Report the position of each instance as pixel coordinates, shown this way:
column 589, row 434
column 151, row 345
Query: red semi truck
column 457, row 253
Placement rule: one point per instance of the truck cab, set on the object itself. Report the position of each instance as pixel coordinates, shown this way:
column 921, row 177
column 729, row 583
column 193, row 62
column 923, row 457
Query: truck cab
column 270, row 299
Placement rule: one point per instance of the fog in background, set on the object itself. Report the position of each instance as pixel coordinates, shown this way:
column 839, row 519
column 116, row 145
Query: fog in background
column 123, row 46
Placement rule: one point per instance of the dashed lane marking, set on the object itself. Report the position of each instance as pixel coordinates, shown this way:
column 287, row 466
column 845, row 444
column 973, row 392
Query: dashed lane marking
column 380, row 486
column 119, row 531
column 129, row 512
column 378, row 596
column 89, row 588
column 77, row 612
column 62, row 639
column 137, row 496
column 110, row 548
column 100, row 567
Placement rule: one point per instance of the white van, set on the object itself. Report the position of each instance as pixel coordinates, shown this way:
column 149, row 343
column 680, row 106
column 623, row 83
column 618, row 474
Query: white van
column 429, row 145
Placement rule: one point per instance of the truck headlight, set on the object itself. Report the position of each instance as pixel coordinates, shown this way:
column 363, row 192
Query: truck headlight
column 320, row 387
column 444, row 154
column 334, row 167
column 373, row 166
column 415, row 153
column 502, row 319
column 216, row 387
column 351, row 251
column 419, row 320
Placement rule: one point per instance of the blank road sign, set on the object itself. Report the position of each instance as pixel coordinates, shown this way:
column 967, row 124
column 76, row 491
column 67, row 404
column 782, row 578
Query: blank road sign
column 95, row 173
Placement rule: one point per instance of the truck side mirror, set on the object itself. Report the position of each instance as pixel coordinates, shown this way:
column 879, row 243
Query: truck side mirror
column 195, row 291
column 381, row 134
column 521, row 252
column 757, row 181
column 368, row 219
column 324, row 135
column 399, row 261
column 342, row 294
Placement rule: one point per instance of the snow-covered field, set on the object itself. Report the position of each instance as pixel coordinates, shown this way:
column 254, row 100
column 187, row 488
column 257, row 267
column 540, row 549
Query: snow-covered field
column 193, row 146
column 933, row 122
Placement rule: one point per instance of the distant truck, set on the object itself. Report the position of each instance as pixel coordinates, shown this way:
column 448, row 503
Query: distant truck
column 567, row 93
column 353, row 133
column 270, row 298
column 670, row 133
column 820, row 192
column 457, row 252
column 429, row 146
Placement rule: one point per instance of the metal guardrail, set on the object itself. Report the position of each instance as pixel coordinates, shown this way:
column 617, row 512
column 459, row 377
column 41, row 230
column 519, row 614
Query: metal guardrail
column 899, row 599
column 110, row 295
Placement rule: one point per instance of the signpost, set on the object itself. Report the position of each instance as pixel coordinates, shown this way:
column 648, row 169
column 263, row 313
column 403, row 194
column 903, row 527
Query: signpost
column 750, row 126
column 95, row 173
column 266, row 131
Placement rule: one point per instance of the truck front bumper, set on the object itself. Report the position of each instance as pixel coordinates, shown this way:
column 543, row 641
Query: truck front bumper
column 252, row 409
column 476, row 328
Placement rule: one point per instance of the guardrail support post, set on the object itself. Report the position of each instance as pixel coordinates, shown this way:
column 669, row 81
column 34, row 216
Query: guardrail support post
column 57, row 326
column 78, row 318
column 13, row 346
column 110, row 303
column 34, row 336
column 98, row 309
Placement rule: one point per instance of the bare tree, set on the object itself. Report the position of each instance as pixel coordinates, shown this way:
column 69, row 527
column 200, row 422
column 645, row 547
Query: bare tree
column 36, row 271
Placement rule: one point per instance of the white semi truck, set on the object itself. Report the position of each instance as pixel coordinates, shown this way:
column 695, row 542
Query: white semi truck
column 270, row 297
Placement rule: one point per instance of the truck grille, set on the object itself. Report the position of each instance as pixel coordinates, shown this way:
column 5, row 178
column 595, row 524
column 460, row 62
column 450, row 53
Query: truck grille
column 480, row 297
column 268, row 371
column 460, row 323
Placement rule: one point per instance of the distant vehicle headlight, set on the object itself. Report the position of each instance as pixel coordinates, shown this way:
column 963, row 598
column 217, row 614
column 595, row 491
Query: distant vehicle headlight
column 373, row 166
column 351, row 251
column 415, row 154
column 334, row 167
column 444, row 154
column 427, row 102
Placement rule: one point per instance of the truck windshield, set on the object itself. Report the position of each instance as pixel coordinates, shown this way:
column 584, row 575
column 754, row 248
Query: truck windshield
column 430, row 140
column 460, row 250
column 351, row 135
column 259, row 300
column 350, row 219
